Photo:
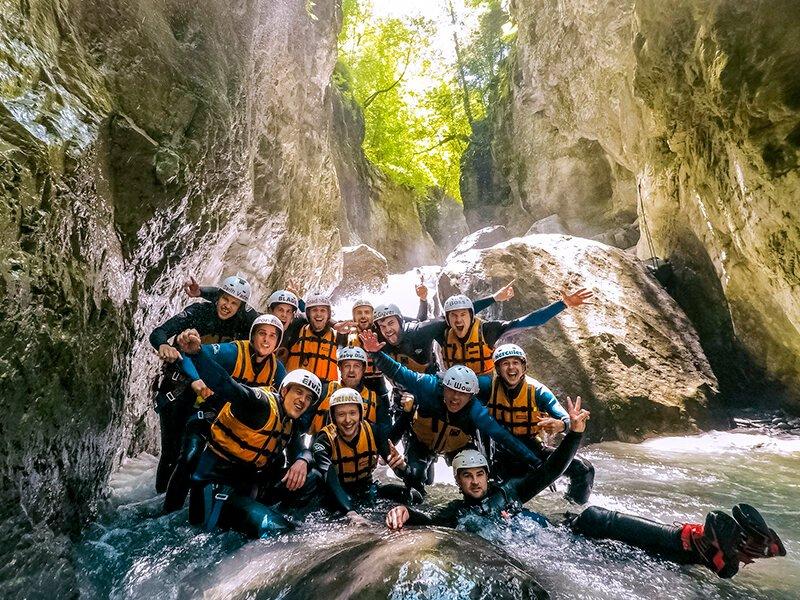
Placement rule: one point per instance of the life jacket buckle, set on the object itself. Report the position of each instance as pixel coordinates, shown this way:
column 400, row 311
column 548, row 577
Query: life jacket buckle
column 176, row 375
column 170, row 396
column 222, row 497
column 201, row 415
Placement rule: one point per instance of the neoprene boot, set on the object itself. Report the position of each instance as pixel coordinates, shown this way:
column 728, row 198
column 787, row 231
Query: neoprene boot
column 716, row 544
column 581, row 480
column 760, row 540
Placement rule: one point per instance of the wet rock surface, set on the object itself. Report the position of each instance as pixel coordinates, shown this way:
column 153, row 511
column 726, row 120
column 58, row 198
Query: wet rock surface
column 632, row 355
column 686, row 113
column 363, row 268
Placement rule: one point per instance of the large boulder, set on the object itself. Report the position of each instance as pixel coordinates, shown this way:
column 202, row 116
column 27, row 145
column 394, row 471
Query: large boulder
column 632, row 355
column 418, row 563
column 483, row 238
column 363, row 269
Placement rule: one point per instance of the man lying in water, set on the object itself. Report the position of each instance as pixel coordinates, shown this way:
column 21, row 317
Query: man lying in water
column 720, row 544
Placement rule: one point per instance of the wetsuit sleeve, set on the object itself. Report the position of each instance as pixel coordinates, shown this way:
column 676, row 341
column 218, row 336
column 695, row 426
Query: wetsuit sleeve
column 223, row 354
column 383, row 420
column 546, row 401
column 526, row 487
column 488, row 426
column 424, row 333
column 290, row 335
column 485, row 387
column 321, row 450
column 301, row 305
column 447, row 516
column 401, row 425
column 174, row 325
column 492, row 330
column 422, row 311
column 483, row 303
column 419, row 384
column 342, row 339
column 210, row 293
column 297, row 449
column 280, row 373
column 247, row 405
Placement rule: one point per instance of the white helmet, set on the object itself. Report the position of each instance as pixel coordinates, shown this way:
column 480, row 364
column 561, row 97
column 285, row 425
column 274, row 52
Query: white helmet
column 305, row 378
column 461, row 379
column 267, row 320
column 317, row 300
column 457, row 302
column 508, row 351
column 236, row 287
column 363, row 302
column 351, row 353
column 387, row 310
column 283, row 297
column 467, row 459
column 345, row 396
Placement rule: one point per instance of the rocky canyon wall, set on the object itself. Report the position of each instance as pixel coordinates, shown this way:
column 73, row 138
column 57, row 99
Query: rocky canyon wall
column 685, row 115
column 142, row 141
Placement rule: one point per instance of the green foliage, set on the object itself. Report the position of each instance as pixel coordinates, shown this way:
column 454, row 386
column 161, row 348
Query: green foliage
column 415, row 113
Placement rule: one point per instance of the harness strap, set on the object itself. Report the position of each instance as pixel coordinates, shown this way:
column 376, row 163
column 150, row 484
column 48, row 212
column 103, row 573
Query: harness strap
column 223, row 493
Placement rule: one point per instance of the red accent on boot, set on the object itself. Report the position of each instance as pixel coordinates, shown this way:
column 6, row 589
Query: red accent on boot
column 689, row 531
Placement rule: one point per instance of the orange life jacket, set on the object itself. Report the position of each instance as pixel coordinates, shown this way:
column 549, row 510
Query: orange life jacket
column 243, row 370
column 233, row 440
column 355, row 460
column 521, row 415
column 438, row 435
column 472, row 351
column 316, row 353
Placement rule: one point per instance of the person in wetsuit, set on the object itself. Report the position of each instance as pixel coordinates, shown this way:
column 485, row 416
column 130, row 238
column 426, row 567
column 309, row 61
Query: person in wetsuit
column 446, row 418
column 720, row 544
column 248, row 446
column 228, row 318
column 468, row 340
column 251, row 362
column 346, row 454
column 528, row 409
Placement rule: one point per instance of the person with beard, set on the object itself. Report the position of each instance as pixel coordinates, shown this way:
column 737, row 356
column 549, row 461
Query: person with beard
column 314, row 345
column 346, row 453
column 447, row 416
column 251, row 362
column 352, row 362
column 227, row 318
column 528, row 409
column 248, row 447
column 468, row 340
column 720, row 543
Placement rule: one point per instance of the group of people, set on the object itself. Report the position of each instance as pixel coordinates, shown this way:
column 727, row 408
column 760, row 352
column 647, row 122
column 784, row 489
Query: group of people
column 263, row 413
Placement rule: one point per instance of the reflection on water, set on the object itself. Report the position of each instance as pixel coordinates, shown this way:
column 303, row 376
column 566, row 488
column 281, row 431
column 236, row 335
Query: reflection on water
column 134, row 553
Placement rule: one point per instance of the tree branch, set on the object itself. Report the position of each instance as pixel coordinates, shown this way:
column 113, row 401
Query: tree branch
column 377, row 93
column 443, row 141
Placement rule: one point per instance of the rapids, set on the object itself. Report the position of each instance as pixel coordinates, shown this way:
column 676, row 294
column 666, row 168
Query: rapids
column 132, row 551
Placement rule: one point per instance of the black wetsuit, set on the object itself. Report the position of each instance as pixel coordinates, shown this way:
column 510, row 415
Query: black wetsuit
column 249, row 406
column 174, row 398
column 594, row 522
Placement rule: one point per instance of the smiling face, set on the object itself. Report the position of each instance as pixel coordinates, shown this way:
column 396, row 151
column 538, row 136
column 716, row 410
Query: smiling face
column 460, row 320
column 296, row 400
column 390, row 329
column 512, row 370
column 285, row 312
column 347, row 418
column 351, row 372
column 362, row 315
column 455, row 401
column 473, row 482
column 265, row 340
column 227, row 306
column 318, row 317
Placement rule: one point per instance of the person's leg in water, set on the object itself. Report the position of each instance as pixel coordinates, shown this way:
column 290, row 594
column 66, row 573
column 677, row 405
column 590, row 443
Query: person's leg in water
column 211, row 469
column 194, row 441
column 719, row 544
column 172, row 421
column 580, row 471
column 419, row 463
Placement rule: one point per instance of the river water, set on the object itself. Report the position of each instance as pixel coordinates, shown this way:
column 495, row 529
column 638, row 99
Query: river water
column 132, row 551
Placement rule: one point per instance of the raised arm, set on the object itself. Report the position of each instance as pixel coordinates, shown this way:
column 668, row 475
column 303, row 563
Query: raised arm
column 419, row 384
column 488, row 426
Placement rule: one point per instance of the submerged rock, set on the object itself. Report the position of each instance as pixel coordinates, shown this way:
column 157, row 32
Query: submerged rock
column 416, row 563
column 633, row 356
